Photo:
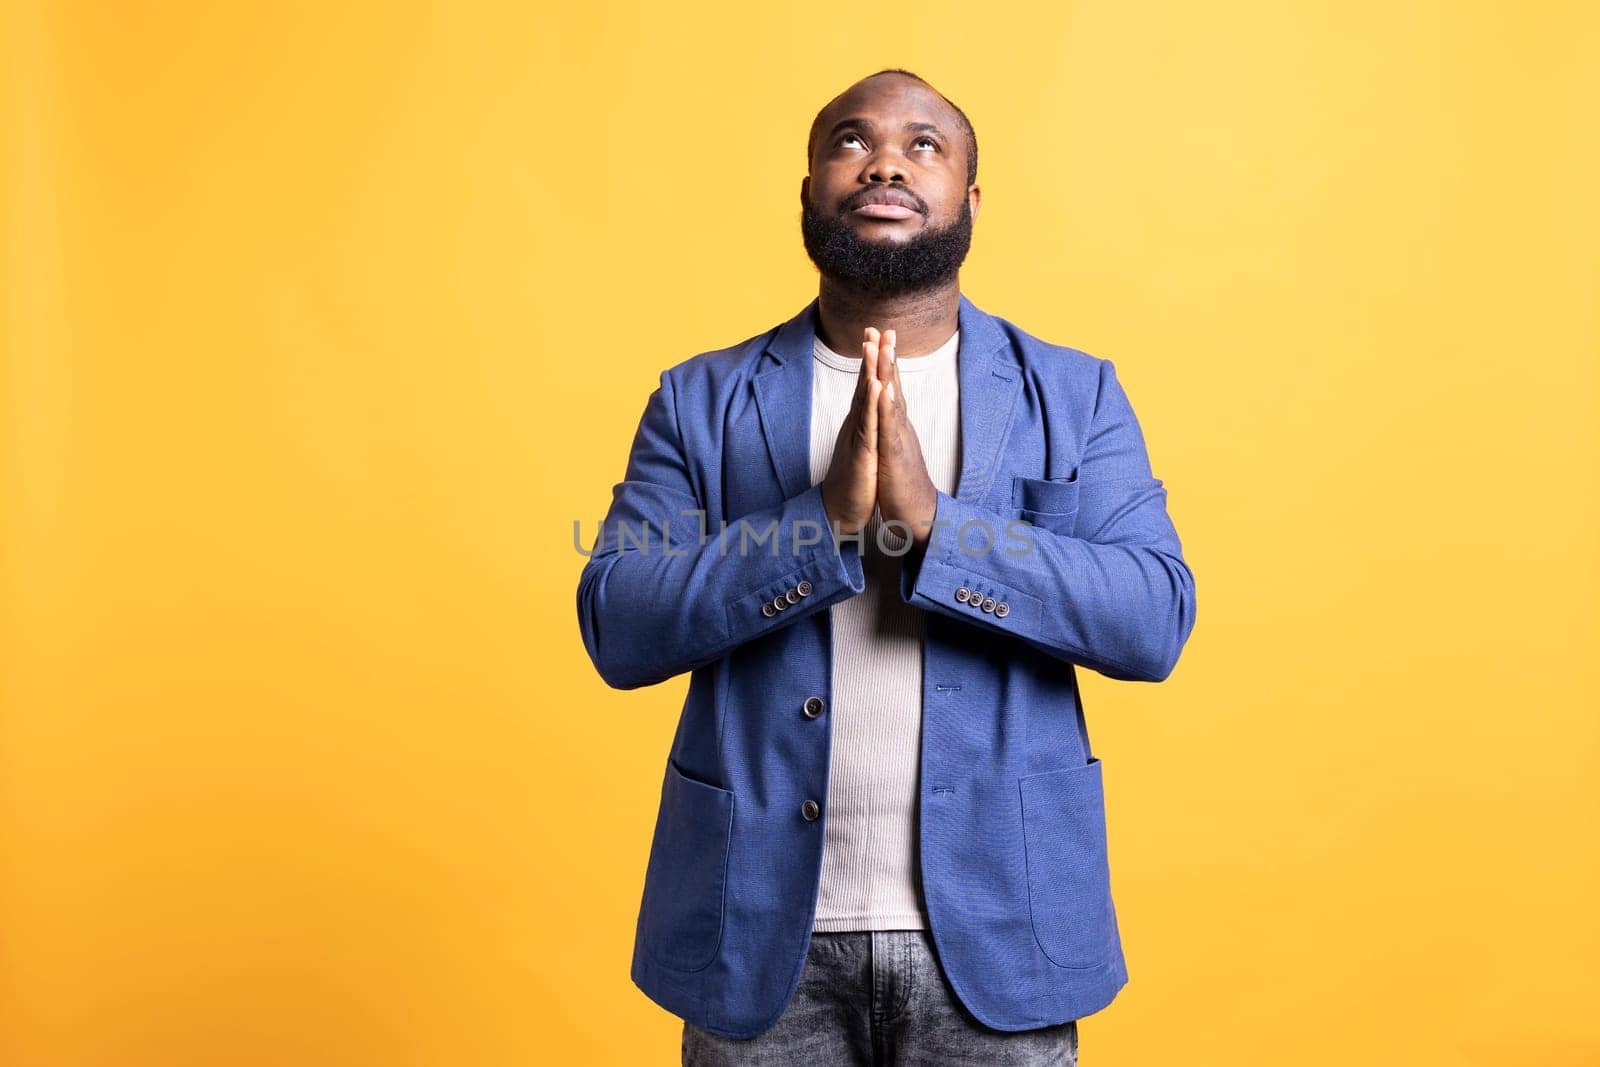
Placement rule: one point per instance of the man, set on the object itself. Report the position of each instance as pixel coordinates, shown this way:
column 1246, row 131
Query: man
column 881, row 537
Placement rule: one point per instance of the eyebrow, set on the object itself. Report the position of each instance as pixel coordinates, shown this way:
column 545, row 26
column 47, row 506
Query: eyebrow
column 867, row 124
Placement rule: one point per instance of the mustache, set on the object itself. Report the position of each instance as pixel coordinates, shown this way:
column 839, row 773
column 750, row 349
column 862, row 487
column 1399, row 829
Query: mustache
column 855, row 200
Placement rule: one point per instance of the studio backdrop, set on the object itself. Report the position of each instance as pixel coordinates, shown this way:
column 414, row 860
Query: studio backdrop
column 326, row 328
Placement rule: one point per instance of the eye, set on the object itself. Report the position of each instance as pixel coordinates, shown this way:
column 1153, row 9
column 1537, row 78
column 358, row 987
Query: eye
column 849, row 136
column 928, row 139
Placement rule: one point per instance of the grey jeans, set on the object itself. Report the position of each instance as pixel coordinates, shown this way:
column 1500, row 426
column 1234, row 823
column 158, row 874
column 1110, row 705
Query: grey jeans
column 869, row 997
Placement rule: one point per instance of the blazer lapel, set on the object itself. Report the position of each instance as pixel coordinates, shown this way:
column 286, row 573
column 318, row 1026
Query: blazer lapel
column 783, row 395
column 988, row 373
column 990, row 379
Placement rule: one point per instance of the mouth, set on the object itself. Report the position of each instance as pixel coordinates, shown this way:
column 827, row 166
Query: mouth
column 884, row 211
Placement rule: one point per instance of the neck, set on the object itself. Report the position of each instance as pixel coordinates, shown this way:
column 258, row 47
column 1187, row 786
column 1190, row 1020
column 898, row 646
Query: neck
column 921, row 321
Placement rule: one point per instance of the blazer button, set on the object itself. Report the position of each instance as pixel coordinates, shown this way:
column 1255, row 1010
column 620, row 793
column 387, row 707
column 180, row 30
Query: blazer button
column 812, row 707
column 1002, row 609
column 779, row 603
column 767, row 609
column 804, row 588
column 988, row 603
column 963, row 594
column 810, row 810
column 792, row 596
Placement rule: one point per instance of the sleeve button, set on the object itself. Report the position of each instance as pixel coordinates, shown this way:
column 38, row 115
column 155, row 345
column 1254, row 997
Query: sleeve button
column 767, row 609
column 1002, row 609
column 792, row 596
column 804, row 588
column 988, row 604
column 963, row 594
column 779, row 603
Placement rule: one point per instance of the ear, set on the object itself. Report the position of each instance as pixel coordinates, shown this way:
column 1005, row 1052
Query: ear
column 974, row 197
column 805, row 190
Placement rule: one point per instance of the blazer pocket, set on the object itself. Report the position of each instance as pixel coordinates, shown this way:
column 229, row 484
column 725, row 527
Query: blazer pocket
column 1069, row 877
column 680, row 915
column 1048, row 502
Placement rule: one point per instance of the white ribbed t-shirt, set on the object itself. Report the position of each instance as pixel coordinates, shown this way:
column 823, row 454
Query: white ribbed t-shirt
column 871, row 876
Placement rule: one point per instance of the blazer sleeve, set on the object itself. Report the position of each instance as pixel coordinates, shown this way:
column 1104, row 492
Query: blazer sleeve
column 1115, row 596
column 667, row 589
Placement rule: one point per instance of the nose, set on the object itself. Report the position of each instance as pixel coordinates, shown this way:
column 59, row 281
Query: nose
column 884, row 166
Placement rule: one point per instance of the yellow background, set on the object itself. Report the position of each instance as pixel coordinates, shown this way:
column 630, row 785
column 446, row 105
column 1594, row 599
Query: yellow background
column 323, row 323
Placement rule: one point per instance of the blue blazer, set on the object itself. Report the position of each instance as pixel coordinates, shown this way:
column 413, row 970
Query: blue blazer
column 709, row 561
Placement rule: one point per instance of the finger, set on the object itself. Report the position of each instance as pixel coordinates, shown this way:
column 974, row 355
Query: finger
column 886, row 361
column 885, row 416
column 859, row 401
column 899, row 390
column 862, row 377
column 870, row 348
column 869, row 421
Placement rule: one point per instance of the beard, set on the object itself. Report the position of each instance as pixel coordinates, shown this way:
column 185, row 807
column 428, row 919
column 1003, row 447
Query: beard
column 885, row 268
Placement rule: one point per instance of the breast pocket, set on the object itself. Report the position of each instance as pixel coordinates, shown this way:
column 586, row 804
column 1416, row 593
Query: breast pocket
column 1048, row 502
column 680, row 916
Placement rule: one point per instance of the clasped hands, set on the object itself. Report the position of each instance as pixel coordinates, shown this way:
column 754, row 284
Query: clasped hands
column 877, row 459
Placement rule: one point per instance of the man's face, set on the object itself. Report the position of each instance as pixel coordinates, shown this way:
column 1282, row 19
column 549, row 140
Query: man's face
column 888, row 138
